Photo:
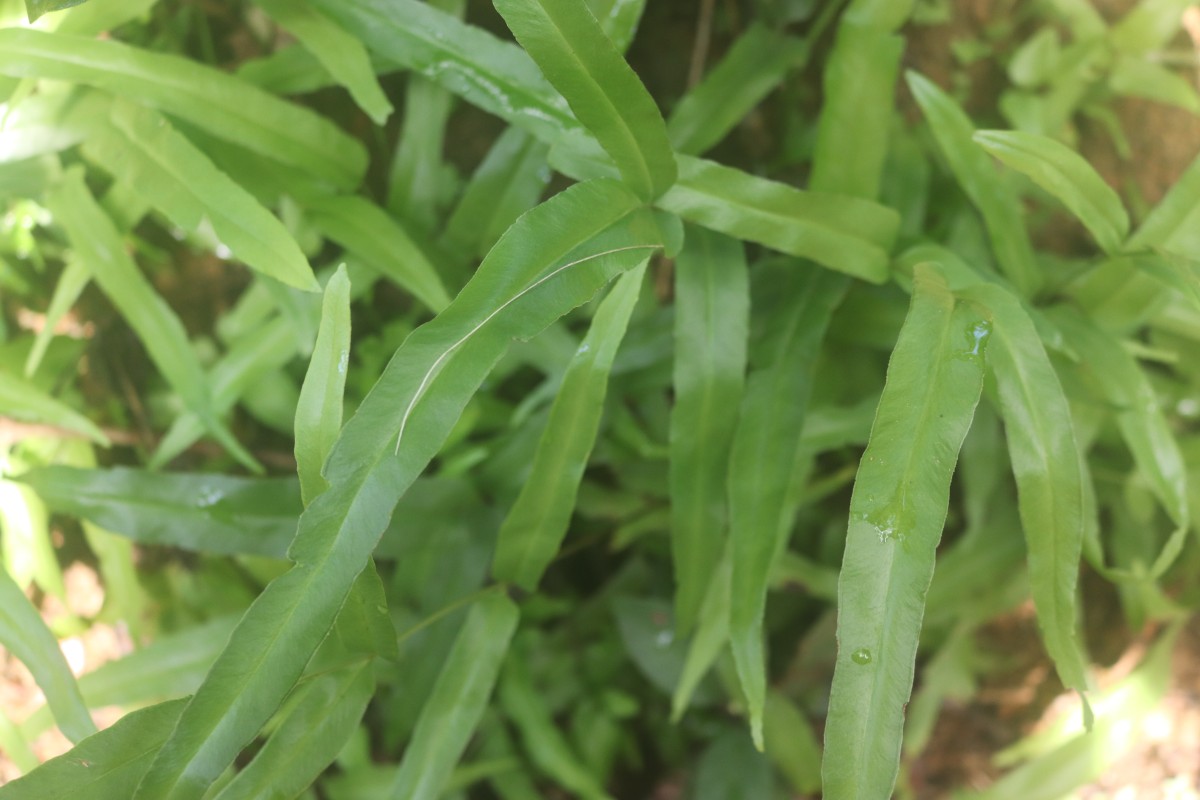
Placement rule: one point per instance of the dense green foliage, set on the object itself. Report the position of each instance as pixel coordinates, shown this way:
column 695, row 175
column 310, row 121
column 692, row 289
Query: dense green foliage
column 592, row 445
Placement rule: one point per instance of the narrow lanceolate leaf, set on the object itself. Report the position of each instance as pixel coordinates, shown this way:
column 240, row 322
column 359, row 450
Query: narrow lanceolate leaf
column 859, row 80
column 1177, row 212
column 755, row 64
column 376, row 237
column 536, row 524
column 310, row 736
column 174, row 176
column 207, row 513
column 71, row 283
column 840, row 232
column 458, row 700
column 21, row 400
column 496, row 76
column 25, row 635
column 35, row 8
column 98, row 244
column 343, row 55
column 1141, row 421
column 770, row 423
column 711, row 636
column 553, row 259
column 897, row 512
column 1045, row 462
column 581, row 62
column 712, row 310
column 206, row 97
column 319, row 412
column 1065, row 174
column 106, row 764
column 1001, row 211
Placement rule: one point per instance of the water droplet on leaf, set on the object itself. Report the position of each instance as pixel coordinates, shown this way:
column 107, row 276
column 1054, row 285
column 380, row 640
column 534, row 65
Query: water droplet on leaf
column 861, row 656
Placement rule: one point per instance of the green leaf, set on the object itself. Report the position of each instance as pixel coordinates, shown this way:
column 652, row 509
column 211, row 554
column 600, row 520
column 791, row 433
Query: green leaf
column 769, row 427
column 1065, row 174
column 1175, row 216
column 96, row 18
column 201, row 512
column 35, row 8
column 506, row 184
column 711, row 635
column 106, row 764
column 837, row 231
column 606, row 95
column 458, row 700
column 712, row 309
column 754, row 65
column 859, row 80
column 897, row 511
column 1045, row 463
column 174, row 176
column 496, row 76
column 550, row 261
column 25, row 636
column 1141, row 421
column 1001, row 210
column 542, row 741
column 71, row 283
column 21, row 400
column 319, row 412
column 203, row 96
column 537, row 522
column 315, row 728
column 370, row 233
column 340, row 53
column 259, row 352
column 97, row 243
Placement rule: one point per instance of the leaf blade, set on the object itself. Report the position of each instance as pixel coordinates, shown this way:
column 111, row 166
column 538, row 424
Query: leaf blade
column 897, row 511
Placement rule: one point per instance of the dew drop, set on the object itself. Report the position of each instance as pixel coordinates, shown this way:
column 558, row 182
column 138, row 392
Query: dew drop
column 861, row 656
column 977, row 338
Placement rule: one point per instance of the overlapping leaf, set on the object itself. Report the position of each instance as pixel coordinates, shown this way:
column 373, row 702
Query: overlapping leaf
column 712, row 309
column 201, row 95
column 553, row 259
column 537, row 522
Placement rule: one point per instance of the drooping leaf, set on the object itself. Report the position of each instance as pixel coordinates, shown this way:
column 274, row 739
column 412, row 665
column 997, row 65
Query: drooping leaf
column 897, row 511
column 606, row 95
column 550, row 261
column 25, row 635
column 712, row 308
column 201, row 95
column 1065, row 174
column 71, row 283
column 98, row 244
column 175, row 176
column 1045, row 463
column 310, row 736
column 202, row 512
column 106, row 764
column 537, row 522
column 458, row 700
column 769, row 427
column 340, row 53
column 710, row 637
column 837, row 231
column 1002, row 213
column 319, row 412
